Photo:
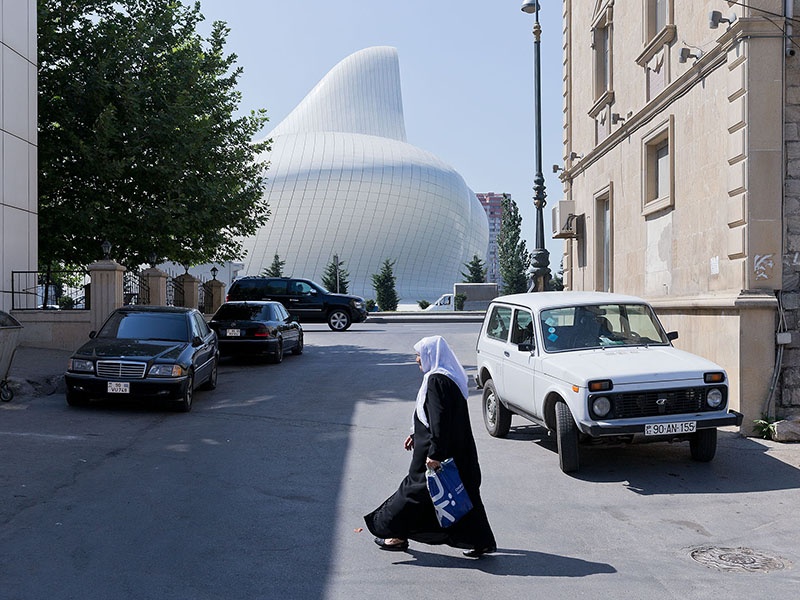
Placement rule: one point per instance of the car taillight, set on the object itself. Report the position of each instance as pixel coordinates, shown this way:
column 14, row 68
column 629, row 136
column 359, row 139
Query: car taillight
column 261, row 331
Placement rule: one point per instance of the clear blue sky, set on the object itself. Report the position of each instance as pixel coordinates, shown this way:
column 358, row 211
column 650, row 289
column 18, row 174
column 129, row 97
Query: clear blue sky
column 466, row 72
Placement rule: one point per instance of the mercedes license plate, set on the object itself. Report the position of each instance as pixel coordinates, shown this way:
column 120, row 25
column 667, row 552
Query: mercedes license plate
column 233, row 333
column 119, row 387
column 670, row 428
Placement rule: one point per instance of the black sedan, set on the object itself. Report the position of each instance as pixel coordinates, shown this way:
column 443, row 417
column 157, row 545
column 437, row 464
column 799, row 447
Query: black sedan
column 255, row 328
column 158, row 352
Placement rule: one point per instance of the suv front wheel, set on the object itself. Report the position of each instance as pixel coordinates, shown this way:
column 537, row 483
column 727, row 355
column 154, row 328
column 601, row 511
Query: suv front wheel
column 339, row 319
column 566, row 438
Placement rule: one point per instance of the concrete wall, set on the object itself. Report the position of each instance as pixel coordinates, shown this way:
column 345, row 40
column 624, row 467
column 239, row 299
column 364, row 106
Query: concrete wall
column 18, row 139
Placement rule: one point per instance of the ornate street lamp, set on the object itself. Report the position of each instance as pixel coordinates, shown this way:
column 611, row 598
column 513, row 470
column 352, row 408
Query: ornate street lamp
column 106, row 248
column 539, row 273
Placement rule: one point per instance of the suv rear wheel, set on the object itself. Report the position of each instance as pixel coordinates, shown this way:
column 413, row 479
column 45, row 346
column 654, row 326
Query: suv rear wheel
column 496, row 417
column 339, row 319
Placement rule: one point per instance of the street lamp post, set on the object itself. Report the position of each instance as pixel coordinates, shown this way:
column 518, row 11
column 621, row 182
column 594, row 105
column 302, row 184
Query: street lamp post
column 539, row 273
column 336, row 262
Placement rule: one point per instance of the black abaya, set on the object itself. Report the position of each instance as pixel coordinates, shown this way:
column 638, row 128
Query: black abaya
column 409, row 512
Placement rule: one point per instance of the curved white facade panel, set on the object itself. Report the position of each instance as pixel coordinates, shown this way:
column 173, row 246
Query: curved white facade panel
column 344, row 182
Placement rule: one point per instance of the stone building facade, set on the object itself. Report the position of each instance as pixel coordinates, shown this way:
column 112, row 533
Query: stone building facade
column 682, row 177
column 18, row 150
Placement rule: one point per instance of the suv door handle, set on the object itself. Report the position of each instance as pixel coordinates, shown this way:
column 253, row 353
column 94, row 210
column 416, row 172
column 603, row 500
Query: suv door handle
column 506, row 354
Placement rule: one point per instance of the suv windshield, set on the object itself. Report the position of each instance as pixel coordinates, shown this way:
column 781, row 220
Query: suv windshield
column 603, row 325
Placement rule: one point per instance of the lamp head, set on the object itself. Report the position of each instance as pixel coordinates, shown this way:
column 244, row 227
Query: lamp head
column 106, row 247
column 214, row 272
column 530, row 6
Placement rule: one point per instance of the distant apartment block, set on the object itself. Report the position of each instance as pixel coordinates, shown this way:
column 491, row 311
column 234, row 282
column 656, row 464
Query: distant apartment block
column 493, row 205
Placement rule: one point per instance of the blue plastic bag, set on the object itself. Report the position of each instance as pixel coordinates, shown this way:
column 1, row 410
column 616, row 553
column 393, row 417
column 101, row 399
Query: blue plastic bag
column 449, row 497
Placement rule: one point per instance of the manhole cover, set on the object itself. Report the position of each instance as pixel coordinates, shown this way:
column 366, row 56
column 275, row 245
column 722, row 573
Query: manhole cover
column 738, row 559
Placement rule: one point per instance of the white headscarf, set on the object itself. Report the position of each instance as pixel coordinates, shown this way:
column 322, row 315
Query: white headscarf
column 437, row 357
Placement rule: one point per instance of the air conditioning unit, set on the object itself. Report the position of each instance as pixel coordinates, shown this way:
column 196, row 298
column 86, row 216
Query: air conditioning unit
column 565, row 222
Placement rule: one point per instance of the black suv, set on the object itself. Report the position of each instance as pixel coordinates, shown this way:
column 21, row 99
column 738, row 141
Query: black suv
column 304, row 299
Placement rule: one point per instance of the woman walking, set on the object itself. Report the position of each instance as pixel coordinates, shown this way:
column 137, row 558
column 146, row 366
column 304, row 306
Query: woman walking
column 441, row 430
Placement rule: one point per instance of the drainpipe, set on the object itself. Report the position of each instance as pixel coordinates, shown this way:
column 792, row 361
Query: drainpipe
column 788, row 13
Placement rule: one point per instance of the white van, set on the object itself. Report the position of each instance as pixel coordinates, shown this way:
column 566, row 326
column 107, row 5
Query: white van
column 445, row 302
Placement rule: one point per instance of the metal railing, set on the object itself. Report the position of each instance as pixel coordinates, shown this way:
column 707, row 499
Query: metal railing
column 174, row 291
column 50, row 290
column 135, row 289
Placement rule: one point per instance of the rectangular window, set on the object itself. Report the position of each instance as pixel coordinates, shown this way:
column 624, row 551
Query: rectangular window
column 662, row 173
column 658, row 168
column 522, row 332
column 602, row 61
column 660, row 14
column 603, row 241
column 499, row 323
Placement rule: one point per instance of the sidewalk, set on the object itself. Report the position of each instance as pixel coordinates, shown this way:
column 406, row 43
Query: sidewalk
column 37, row 371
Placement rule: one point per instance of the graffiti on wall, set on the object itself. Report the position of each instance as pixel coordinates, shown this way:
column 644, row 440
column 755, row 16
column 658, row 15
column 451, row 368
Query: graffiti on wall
column 763, row 265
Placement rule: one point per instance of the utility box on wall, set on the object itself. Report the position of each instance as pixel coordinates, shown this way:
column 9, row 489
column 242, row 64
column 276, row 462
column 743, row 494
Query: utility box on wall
column 564, row 220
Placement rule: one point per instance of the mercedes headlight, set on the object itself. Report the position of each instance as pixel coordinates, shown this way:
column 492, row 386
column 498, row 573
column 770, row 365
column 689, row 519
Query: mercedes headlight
column 80, row 365
column 167, row 371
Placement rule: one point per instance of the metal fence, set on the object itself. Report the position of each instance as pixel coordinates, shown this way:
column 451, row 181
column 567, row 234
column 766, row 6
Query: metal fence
column 174, row 291
column 135, row 289
column 50, row 290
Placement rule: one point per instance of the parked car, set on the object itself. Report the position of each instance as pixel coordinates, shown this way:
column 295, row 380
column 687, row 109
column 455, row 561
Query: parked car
column 304, row 299
column 256, row 327
column 596, row 367
column 156, row 352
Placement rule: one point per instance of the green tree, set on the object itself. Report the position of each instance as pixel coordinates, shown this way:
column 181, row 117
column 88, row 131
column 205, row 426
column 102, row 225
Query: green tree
column 138, row 142
column 557, row 282
column 336, row 276
column 383, row 283
column 276, row 268
column 476, row 271
column 513, row 258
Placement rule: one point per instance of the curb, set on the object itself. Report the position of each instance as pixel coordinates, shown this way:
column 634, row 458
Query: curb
column 422, row 317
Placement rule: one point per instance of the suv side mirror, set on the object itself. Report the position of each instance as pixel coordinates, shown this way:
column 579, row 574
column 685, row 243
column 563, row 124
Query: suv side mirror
column 525, row 347
column 672, row 336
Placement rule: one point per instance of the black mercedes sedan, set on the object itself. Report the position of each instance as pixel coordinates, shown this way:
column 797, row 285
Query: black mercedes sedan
column 156, row 352
column 257, row 328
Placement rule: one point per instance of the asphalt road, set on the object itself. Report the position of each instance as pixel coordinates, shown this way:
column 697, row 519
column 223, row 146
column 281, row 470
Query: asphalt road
column 259, row 492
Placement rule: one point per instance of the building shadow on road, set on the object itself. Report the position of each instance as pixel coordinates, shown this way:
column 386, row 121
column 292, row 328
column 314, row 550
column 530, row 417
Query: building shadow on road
column 510, row 562
column 741, row 465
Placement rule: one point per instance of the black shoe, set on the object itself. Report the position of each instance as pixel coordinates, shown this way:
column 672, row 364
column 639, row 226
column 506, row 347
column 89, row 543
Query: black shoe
column 478, row 552
column 392, row 547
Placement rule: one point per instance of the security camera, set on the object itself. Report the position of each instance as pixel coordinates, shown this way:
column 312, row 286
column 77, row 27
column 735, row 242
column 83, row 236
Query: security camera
column 715, row 18
column 686, row 54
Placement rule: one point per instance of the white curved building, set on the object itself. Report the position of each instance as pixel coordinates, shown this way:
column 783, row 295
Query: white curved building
column 344, row 181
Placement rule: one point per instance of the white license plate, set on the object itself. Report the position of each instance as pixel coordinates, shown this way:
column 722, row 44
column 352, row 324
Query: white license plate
column 670, row 428
column 119, row 387
column 233, row 333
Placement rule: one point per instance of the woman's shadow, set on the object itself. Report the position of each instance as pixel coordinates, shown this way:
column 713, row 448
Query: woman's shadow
column 510, row 562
